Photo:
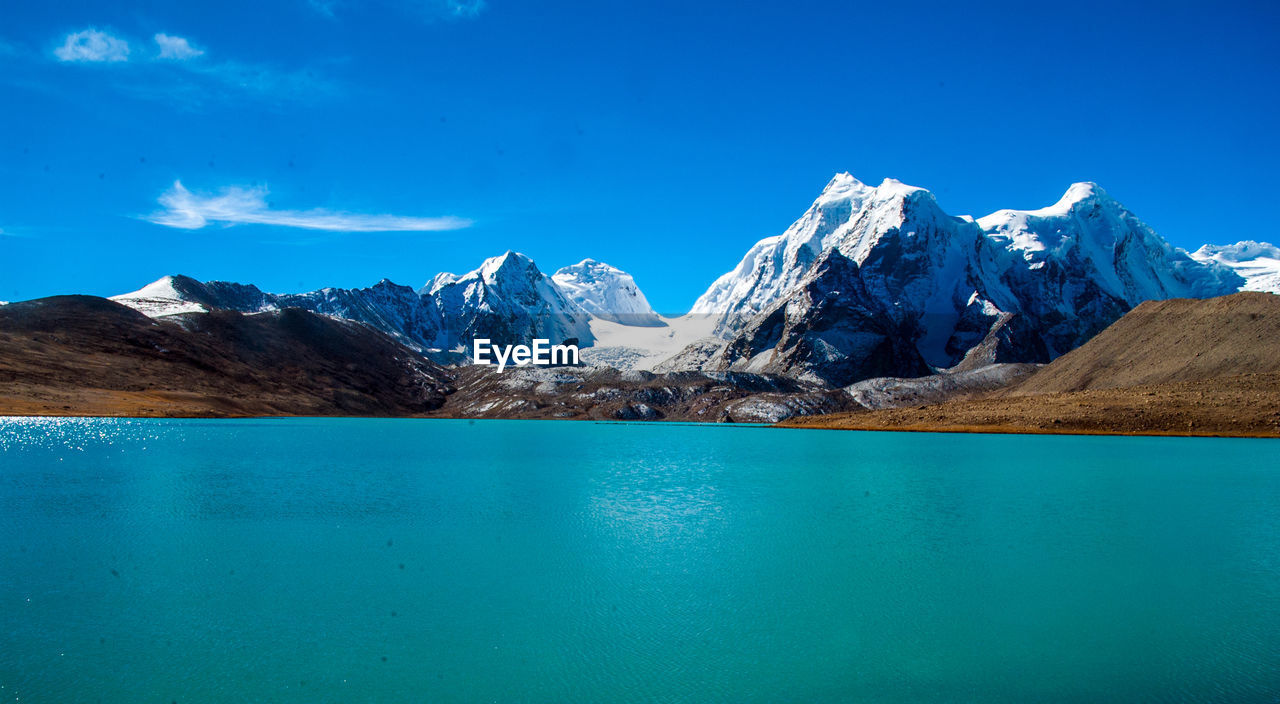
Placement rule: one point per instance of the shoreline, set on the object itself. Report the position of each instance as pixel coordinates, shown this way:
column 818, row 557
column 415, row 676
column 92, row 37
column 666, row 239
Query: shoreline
column 799, row 423
column 1016, row 430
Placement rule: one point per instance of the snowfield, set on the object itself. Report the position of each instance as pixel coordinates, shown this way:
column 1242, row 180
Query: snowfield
column 642, row 348
column 1257, row 262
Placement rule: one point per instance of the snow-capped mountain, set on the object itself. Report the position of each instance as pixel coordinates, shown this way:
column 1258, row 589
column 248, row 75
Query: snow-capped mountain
column 437, row 282
column 901, row 287
column 606, row 293
column 869, row 282
column 775, row 264
column 509, row 301
column 170, row 295
column 1257, row 262
column 395, row 310
column 176, row 295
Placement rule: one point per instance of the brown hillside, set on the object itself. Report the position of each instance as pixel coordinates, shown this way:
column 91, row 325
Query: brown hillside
column 1178, row 340
column 82, row 355
column 1176, row 367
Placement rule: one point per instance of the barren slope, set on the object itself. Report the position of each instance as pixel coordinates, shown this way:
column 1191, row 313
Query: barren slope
column 81, row 355
column 1181, row 367
column 1171, row 341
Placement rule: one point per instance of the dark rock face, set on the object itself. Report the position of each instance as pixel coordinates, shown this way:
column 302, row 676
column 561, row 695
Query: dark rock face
column 398, row 311
column 636, row 411
column 829, row 330
column 224, row 294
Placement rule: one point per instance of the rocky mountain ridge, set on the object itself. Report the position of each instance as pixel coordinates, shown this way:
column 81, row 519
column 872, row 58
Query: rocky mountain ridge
column 871, row 282
column 902, row 289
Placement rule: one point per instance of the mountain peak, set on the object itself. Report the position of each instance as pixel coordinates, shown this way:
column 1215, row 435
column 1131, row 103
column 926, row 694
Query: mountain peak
column 508, row 262
column 606, row 292
column 437, row 282
column 1076, row 195
column 892, row 187
column 842, row 187
column 843, row 181
column 1079, row 193
column 168, row 295
column 593, row 266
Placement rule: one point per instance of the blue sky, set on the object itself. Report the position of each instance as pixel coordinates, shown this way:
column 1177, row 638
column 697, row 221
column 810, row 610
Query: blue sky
column 335, row 142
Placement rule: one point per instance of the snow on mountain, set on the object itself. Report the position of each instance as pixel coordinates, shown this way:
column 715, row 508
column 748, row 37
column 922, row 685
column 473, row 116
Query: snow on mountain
column 506, row 300
column 644, row 348
column 509, row 301
column 179, row 295
column 437, row 282
column 158, row 299
column 607, row 293
column 386, row 306
column 1090, row 232
column 901, row 288
column 775, row 264
column 869, row 282
column 1257, row 262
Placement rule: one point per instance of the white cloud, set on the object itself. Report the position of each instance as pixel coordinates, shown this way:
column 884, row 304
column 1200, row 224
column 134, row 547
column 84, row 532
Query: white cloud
column 464, row 8
column 324, row 7
column 170, row 74
column 238, row 205
column 429, row 10
column 93, row 46
column 179, row 48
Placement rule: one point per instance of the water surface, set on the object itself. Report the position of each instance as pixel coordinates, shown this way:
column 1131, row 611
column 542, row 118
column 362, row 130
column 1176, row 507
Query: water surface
column 401, row 560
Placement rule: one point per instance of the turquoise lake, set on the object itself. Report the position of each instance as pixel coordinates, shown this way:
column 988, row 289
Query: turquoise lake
column 308, row 560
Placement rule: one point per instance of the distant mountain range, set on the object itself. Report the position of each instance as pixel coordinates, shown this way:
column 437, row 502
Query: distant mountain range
column 869, row 282
column 506, row 299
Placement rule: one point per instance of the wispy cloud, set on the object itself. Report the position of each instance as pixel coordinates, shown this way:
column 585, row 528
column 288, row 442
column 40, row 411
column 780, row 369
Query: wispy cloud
column 424, row 9
column 459, row 8
column 172, row 47
column 324, row 7
column 238, row 205
column 92, row 46
column 20, row 233
column 179, row 72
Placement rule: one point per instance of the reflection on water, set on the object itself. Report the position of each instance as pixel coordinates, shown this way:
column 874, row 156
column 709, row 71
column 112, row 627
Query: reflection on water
column 382, row 560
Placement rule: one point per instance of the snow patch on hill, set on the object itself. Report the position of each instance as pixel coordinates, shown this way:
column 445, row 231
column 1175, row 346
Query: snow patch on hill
column 159, row 299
